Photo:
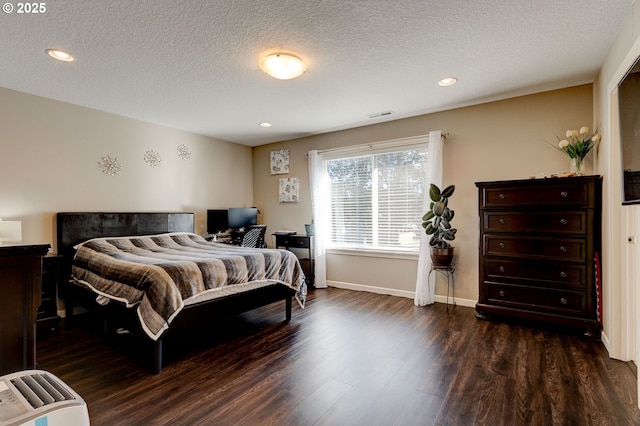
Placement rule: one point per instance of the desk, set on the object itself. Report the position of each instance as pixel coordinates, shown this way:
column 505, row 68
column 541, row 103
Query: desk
column 236, row 237
column 300, row 242
column 231, row 237
column 447, row 271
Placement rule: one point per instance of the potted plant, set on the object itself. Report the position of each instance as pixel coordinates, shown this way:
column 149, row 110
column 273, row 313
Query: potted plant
column 437, row 223
column 310, row 228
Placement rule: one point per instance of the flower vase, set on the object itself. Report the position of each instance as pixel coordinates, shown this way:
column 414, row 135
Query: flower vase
column 577, row 166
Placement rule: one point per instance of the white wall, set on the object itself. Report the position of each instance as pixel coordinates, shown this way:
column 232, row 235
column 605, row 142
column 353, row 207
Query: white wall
column 619, row 287
column 49, row 153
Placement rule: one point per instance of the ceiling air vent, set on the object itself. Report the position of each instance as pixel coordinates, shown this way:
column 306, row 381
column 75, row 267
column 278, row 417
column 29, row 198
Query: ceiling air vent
column 380, row 114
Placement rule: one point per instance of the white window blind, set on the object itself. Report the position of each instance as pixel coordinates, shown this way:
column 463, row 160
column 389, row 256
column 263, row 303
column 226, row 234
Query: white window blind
column 376, row 198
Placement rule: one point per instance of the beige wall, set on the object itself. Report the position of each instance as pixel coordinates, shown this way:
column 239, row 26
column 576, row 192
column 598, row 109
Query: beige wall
column 493, row 141
column 49, row 153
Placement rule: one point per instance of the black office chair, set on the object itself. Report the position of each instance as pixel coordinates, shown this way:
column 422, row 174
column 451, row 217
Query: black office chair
column 254, row 236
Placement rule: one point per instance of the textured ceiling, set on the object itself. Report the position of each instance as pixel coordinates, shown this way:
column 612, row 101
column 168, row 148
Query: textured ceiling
column 193, row 64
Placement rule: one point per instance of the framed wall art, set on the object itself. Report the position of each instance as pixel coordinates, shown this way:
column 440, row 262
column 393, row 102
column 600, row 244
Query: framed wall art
column 280, row 162
column 289, row 190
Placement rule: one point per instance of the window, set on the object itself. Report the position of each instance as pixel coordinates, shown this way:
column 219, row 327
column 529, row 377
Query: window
column 377, row 198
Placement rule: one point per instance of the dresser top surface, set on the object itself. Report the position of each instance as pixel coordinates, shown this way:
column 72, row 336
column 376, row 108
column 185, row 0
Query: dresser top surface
column 542, row 181
column 12, row 248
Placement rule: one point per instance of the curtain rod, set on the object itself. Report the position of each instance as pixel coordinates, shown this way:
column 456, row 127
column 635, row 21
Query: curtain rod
column 443, row 135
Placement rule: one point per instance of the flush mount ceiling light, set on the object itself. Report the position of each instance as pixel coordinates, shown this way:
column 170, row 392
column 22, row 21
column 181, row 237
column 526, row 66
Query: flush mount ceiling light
column 283, row 66
column 265, row 124
column 448, row 81
column 60, row 55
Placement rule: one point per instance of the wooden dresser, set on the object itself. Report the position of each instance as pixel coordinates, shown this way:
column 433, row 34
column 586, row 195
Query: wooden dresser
column 538, row 242
column 20, row 295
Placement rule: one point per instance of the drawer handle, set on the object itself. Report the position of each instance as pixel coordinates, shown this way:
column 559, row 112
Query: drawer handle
column 563, row 300
column 502, row 196
column 501, row 269
column 501, row 245
column 563, row 249
column 501, row 221
column 563, row 274
column 564, row 221
column 564, row 194
column 501, row 293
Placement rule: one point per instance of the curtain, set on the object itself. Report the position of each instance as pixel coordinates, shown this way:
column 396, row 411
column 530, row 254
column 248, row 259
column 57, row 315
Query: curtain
column 425, row 290
column 321, row 215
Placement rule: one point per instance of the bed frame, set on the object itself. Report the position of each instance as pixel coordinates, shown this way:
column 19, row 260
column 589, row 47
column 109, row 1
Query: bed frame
column 74, row 228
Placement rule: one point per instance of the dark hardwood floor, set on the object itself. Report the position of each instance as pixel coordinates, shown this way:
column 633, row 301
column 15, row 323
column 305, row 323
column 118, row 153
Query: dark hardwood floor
column 349, row 358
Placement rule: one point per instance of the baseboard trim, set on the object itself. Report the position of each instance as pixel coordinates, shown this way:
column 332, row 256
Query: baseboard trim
column 399, row 293
column 604, row 338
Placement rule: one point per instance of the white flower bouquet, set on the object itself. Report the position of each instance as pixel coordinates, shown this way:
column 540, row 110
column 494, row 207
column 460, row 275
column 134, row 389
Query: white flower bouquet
column 577, row 144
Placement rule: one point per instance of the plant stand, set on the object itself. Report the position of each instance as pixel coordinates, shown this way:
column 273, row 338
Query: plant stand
column 447, row 271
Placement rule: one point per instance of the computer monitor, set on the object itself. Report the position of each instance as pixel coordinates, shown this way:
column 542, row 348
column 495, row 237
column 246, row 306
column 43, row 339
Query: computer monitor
column 217, row 221
column 241, row 217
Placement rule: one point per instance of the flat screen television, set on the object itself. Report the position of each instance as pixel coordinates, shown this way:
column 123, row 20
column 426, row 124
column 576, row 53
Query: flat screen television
column 217, row 221
column 241, row 217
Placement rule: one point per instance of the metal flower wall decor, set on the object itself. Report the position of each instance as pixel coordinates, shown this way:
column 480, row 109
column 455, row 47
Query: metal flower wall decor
column 184, row 152
column 152, row 158
column 110, row 165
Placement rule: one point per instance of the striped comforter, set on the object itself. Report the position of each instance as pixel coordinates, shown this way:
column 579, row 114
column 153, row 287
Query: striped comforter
column 160, row 274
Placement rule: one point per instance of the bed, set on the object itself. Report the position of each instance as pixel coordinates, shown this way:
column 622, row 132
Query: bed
column 152, row 272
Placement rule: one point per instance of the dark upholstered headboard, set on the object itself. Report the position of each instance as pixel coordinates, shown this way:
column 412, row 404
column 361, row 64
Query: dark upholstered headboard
column 74, row 228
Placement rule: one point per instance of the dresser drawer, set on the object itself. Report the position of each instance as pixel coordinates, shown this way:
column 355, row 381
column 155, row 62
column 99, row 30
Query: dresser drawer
column 292, row 241
column 561, row 249
column 570, row 222
column 574, row 195
column 541, row 274
column 566, row 302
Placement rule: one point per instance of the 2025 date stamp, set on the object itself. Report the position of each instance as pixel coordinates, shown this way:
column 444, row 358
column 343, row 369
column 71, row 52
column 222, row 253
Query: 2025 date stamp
column 30, row 8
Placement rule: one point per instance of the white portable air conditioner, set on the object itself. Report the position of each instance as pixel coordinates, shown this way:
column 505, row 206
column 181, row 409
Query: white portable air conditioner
column 38, row 398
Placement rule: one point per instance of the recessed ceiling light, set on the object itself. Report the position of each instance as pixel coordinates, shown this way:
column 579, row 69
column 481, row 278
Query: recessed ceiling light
column 60, row 55
column 448, row 81
column 283, row 66
column 265, row 124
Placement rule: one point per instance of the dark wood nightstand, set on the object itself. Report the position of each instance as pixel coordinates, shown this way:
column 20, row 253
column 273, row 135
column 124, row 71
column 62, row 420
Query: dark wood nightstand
column 48, row 310
column 20, row 286
column 304, row 242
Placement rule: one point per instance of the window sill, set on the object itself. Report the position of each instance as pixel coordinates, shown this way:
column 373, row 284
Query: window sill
column 387, row 254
